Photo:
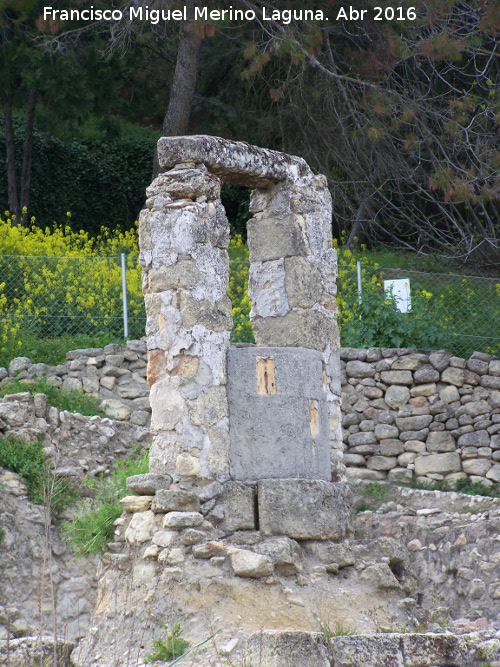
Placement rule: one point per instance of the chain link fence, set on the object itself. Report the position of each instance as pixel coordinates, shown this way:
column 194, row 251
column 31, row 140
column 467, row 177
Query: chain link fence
column 53, row 297
column 458, row 312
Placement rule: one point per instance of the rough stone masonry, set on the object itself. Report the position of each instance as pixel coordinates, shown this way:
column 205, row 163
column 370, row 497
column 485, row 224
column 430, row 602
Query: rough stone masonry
column 184, row 235
column 219, row 517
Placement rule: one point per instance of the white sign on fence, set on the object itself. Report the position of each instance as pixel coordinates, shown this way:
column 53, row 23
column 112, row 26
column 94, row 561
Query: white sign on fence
column 400, row 290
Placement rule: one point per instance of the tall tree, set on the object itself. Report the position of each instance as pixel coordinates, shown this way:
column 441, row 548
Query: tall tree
column 176, row 121
column 19, row 66
column 402, row 115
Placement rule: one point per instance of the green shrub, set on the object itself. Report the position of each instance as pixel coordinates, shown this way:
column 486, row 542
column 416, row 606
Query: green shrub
column 28, row 461
column 375, row 320
column 72, row 401
column 477, row 488
column 172, row 646
column 92, row 528
column 449, row 311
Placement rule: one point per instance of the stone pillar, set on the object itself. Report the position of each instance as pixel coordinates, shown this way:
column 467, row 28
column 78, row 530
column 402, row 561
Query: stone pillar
column 184, row 235
column 292, row 282
column 183, row 239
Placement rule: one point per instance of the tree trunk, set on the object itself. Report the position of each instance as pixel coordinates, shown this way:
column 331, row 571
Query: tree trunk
column 27, row 154
column 176, row 119
column 11, row 160
column 360, row 220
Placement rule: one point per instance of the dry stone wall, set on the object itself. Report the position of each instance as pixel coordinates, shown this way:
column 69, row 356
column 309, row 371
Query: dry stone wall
column 404, row 412
column 452, row 544
column 113, row 374
column 424, row 415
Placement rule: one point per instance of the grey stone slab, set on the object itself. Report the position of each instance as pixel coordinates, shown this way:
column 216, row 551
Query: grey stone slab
column 307, row 328
column 171, row 500
column 238, row 504
column 270, row 239
column 234, row 161
column 437, row 463
column 278, row 648
column 397, row 650
column 282, row 434
column 304, row 509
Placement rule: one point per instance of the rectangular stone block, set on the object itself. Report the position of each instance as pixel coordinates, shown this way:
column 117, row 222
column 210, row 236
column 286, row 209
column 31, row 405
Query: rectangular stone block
column 278, row 648
column 397, row 650
column 238, row 504
column 304, row 509
column 275, row 238
column 278, row 414
column 437, row 463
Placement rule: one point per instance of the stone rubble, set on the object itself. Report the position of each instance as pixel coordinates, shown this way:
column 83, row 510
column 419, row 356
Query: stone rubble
column 423, row 559
column 74, row 445
column 454, row 544
column 26, row 586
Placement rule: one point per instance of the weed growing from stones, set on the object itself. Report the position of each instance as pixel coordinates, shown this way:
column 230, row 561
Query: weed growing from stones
column 72, row 401
column 382, row 622
column 170, row 647
column 92, row 529
column 338, row 630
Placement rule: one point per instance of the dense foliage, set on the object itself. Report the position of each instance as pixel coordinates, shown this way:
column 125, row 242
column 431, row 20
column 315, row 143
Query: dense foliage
column 101, row 181
column 65, row 293
column 401, row 115
column 447, row 310
column 56, row 282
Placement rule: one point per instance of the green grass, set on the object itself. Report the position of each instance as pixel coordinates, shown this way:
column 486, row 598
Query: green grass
column 52, row 351
column 93, row 528
column 462, row 486
column 338, row 630
column 391, row 258
column 374, row 494
column 73, row 401
column 27, row 459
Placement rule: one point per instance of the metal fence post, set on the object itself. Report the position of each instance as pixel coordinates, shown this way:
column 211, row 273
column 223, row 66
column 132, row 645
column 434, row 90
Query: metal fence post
column 124, row 295
column 360, row 286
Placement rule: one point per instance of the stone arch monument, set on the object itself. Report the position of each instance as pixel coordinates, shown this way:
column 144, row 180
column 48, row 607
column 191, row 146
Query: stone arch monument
column 247, row 413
